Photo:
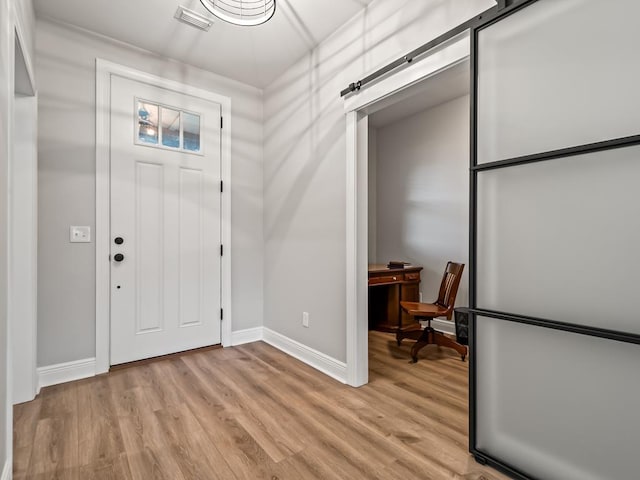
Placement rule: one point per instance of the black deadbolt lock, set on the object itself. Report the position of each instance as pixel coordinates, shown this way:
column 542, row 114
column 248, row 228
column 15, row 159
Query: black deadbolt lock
column 118, row 257
column 119, row 240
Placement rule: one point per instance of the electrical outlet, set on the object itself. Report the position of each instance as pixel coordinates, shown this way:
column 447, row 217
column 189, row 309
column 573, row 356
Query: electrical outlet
column 305, row 319
column 79, row 234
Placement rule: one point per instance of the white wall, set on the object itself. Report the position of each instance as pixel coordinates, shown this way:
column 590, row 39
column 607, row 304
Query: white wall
column 423, row 193
column 305, row 171
column 66, row 272
column 12, row 12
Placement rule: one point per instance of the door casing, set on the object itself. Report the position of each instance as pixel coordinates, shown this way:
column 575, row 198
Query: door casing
column 104, row 71
column 357, row 109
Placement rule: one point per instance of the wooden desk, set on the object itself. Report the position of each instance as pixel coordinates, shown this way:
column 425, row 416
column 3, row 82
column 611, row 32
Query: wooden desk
column 387, row 288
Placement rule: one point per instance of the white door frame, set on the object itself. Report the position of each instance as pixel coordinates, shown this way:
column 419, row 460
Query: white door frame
column 22, row 301
column 104, row 71
column 357, row 107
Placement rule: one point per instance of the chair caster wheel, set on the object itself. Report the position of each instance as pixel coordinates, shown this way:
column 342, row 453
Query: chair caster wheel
column 398, row 342
column 414, row 360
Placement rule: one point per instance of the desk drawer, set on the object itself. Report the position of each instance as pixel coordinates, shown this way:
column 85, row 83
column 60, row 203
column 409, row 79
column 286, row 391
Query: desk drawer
column 412, row 277
column 386, row 279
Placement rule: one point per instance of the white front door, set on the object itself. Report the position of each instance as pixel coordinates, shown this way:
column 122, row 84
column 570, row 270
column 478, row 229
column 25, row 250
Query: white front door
column 165, row 221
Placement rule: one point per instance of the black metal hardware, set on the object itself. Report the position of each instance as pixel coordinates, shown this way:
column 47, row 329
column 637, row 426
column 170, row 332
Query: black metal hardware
column 119, row 240
column 408, row 58
column 118, row 257
column 561, row 153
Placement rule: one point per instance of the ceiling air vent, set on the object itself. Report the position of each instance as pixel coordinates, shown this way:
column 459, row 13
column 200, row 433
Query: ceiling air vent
column 194, row 19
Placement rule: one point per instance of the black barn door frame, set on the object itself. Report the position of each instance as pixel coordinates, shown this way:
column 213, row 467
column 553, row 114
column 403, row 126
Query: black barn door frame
column 474, row 310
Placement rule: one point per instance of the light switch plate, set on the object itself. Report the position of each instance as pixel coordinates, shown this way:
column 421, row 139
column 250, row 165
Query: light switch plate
column 79, row 234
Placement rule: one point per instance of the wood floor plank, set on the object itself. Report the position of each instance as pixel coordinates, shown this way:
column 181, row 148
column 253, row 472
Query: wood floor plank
column 98, row 427
column 253, row 412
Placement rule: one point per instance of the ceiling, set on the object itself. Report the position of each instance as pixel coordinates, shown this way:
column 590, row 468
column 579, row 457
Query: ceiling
column 435, row 90
column 253, row 55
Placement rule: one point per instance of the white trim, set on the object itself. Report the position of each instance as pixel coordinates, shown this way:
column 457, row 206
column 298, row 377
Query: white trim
column 318, row 360
column 249, row 335
column 66, row 372
column 357, row 254
column 440, row 58
column 104, row 71
column 23, row 265
column 357, row 107
column 6, row 471
column 445, row 326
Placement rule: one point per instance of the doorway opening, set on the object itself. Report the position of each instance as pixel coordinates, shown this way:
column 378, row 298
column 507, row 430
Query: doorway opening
column 418, row 208
column 423, row 202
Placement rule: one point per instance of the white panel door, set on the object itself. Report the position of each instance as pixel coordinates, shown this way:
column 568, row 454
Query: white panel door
column 165, row 221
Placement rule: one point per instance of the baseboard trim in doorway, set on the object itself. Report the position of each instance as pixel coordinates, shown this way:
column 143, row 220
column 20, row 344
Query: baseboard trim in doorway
column 446, row 326
column 249, row 335
column 6, row 471
column 66, row 372
column 318, row 360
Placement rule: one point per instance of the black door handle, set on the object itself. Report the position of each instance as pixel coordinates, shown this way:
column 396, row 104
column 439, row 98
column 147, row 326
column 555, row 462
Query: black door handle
column 119, row 240
column 118, row 257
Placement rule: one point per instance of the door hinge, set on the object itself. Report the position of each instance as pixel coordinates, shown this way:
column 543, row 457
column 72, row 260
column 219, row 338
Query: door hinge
column 221, row 250
column 221, row 186
column 222, row 314
column 221, row 122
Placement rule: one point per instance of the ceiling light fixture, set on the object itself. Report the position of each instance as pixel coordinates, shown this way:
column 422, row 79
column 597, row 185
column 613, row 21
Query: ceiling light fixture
column 241, row 12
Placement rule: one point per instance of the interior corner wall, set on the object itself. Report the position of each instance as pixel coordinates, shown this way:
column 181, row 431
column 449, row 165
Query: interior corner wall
column 305, row 163
column 65, row 60
column 423, row 193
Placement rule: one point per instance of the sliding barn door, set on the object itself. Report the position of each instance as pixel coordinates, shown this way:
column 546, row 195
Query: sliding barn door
column 555, row 246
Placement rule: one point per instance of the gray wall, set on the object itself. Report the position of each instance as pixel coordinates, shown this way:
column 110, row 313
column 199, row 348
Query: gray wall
column 66, row 272
column 423, row 192
column 305, row 173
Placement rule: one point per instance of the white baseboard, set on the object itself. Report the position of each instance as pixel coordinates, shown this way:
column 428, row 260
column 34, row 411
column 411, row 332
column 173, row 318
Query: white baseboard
column 6, row 471
column 66, row 372
column 446, row 326
column 249, row 335
column 79, row 369
column 318, row 360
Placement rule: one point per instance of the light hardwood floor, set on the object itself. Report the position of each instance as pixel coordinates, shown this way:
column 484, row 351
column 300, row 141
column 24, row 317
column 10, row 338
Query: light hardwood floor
column 252, row 412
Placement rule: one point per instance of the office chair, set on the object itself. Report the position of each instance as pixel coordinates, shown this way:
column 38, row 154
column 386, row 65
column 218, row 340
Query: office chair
column 442, row 307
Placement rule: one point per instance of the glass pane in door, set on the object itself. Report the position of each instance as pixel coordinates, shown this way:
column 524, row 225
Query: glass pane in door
column 557, row 405
column 558, row 74
column 191, row 131
column 559, row 239
column 148, row 123
column 170, row 128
